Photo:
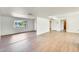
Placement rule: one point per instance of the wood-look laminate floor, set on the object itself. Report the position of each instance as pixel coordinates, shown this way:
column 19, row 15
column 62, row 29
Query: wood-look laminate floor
column 48, row 42
column 17, row 43
column 58, row 42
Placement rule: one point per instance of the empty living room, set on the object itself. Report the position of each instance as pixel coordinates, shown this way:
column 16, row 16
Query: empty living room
column 39, row 29
column 58, row 29
column 18, row 29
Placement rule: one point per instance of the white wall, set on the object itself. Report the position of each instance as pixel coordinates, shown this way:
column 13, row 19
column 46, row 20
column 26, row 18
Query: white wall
column 8, row 28
column 73, row 23
column 42, row 25
column 0, row 27
column 35, row 24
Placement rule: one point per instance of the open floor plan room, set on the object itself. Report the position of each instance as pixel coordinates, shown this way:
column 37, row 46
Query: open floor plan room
column 39, row 29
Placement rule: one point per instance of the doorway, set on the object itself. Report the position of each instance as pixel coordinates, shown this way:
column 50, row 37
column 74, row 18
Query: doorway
column 57, row 25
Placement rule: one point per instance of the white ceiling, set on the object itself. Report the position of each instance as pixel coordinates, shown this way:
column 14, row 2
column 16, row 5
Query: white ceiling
column 37, row 11
column 19, row 10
